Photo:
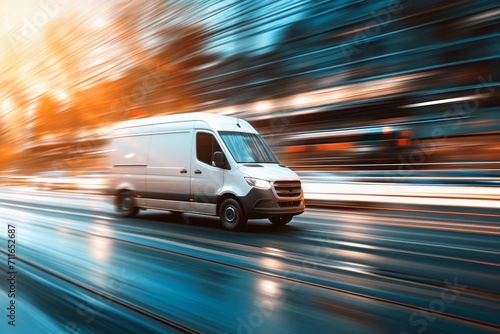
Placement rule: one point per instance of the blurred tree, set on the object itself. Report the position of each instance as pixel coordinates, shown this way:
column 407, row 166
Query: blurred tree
column 48, row 117
column 168, row 48
column 144, row 55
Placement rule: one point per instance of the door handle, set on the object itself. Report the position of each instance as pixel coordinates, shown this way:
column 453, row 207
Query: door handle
column 197, row 171
column 183, row 171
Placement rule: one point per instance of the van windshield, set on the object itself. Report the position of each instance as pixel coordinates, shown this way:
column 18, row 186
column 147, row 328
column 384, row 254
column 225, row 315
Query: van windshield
column 247, row 147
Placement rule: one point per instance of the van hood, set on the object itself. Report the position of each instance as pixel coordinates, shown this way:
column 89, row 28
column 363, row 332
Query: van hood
column 269, row 172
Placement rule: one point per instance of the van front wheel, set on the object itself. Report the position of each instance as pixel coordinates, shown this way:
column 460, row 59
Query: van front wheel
column 126, row 204
column 280, row 220
column 232, row 216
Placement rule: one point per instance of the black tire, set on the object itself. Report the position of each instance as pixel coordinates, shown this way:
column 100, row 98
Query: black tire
column 231, row 215
column 280, row 220
column 126, row 204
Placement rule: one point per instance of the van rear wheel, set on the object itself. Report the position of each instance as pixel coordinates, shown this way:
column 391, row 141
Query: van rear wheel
column 127, row 205
column 280, row 220
column 232, row 216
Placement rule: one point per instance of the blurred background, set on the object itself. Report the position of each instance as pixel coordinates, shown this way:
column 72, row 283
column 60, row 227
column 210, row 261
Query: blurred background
column 335, row 85
column 388, row 110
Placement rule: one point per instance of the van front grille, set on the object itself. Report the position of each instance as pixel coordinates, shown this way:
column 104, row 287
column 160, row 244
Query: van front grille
column 287, row 188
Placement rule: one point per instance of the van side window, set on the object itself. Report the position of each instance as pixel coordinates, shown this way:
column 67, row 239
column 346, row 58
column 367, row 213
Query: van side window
column 206, row 145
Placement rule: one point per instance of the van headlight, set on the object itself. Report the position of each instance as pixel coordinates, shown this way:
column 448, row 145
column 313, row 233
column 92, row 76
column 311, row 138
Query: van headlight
column 258, row 183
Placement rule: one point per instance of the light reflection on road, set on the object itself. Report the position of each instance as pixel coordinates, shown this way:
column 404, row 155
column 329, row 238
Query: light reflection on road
column 100, row 244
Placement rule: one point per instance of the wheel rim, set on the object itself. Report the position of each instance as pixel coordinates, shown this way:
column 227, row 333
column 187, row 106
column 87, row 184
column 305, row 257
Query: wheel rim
column 230, row 215
column 126, row 203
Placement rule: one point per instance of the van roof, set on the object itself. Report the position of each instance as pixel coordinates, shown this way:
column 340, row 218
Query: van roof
column 215, row 121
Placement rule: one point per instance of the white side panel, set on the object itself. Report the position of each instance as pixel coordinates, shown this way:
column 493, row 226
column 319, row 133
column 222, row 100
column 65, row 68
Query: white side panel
column 169, row 169
column 128, row 162
column 131, row 150
column 170, row 150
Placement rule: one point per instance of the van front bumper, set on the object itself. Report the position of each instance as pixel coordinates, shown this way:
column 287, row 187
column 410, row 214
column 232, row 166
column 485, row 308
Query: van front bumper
column 260, row 203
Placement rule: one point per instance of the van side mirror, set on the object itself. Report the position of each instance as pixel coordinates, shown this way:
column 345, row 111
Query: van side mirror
column 219, row 160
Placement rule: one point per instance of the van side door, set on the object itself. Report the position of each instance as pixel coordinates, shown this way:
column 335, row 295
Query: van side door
column 206, row 179
column 168, row 171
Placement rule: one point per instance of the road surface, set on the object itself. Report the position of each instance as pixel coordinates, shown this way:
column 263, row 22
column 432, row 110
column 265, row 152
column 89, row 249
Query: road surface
column 77, row 267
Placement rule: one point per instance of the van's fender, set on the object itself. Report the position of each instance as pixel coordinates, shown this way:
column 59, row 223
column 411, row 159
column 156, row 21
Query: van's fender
column 123, row 186
column 226, row 193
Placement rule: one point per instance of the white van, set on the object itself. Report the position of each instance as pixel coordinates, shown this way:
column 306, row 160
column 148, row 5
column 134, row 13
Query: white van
column 201, row 163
